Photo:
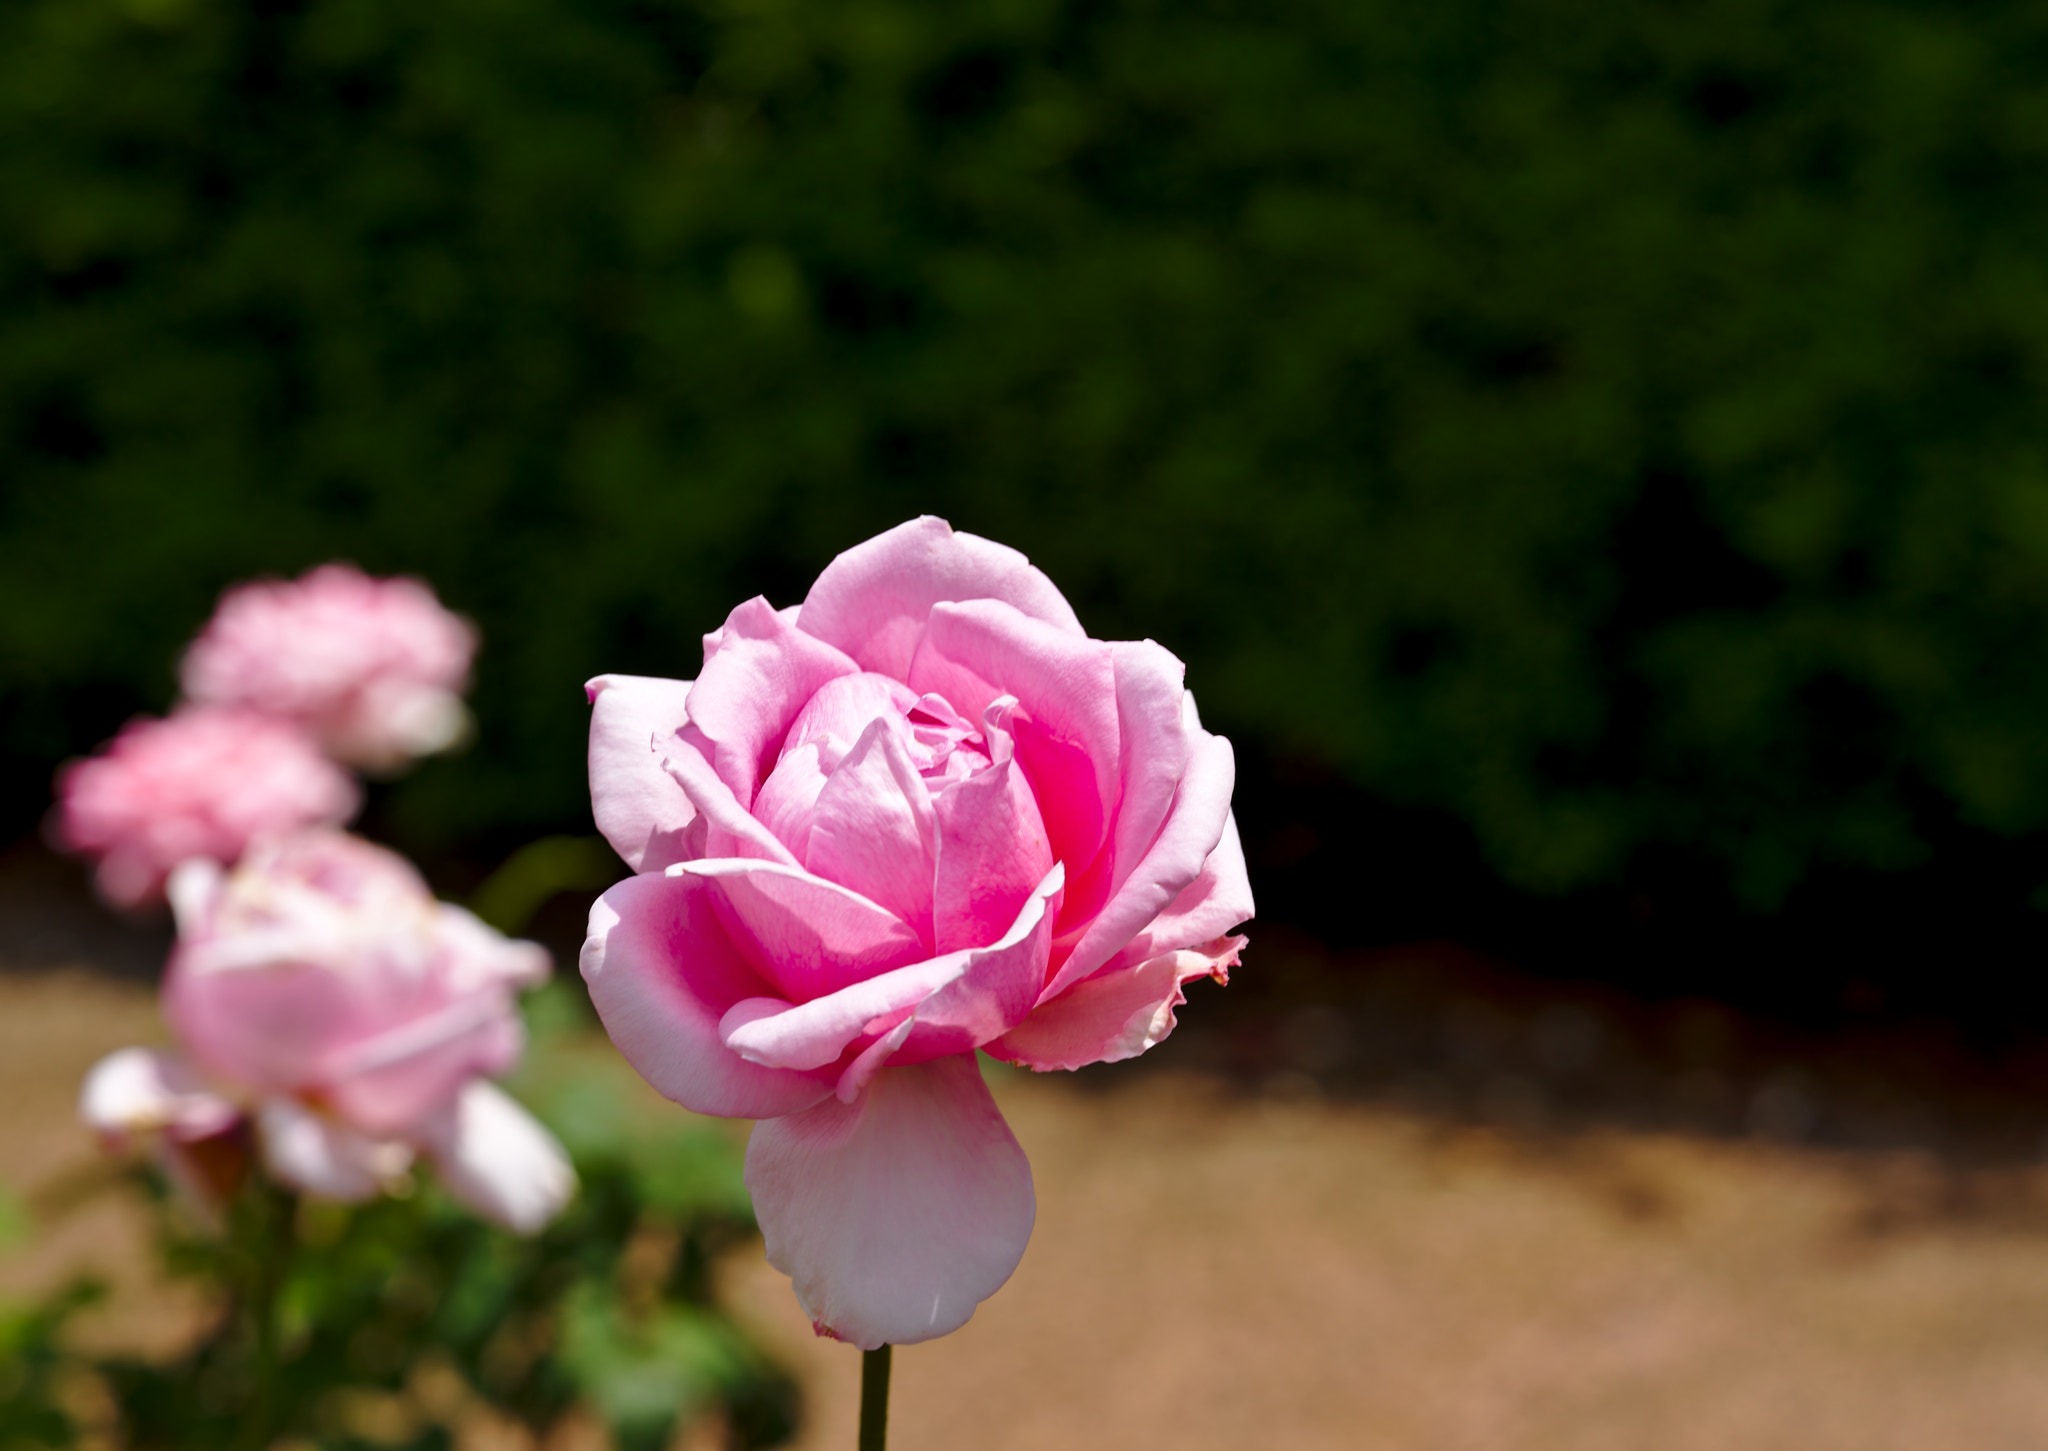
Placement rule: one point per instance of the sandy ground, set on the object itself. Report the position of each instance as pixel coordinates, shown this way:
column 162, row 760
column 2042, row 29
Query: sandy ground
column 1212, row 1269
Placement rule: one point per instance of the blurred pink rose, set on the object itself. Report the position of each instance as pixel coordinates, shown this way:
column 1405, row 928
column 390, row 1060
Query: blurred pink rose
column 920, row 814
column 375, row 668
column 320, row 989
column 203, row 783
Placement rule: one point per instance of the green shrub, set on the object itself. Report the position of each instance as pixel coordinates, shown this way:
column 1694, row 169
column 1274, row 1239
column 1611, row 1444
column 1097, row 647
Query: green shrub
column 1614, row 425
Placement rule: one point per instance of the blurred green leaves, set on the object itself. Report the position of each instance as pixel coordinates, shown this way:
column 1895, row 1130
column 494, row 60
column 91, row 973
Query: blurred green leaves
column 1617, row 426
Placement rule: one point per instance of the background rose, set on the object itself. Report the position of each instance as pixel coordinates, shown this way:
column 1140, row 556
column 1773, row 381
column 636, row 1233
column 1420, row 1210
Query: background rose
column 321, row 989
column 375, row 668
column 205, row 782
column 920, row 814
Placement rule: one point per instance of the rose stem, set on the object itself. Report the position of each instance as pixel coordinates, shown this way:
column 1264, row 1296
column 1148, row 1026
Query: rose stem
column 874, row 1399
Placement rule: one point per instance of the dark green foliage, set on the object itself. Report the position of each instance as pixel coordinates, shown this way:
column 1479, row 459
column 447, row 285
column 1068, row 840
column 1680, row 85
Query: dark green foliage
column 1614, row 424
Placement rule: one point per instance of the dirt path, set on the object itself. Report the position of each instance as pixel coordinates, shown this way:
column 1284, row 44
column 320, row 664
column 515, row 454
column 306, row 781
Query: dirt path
column 1212, row 1271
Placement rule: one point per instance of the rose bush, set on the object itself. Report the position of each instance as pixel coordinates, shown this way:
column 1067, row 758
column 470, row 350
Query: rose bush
column 322, row 996
column 205, row 782
column 374, row 668
column 921, row 814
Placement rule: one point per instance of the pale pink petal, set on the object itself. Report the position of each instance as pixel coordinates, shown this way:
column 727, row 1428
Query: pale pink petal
column 1154, row 736
column 729, row 829
column 805, row 935
column 749, row 692
column 499, row 1160
column 1192, row 832
column 1116, row 1015
column 789, row 796
column 959, row 1000
column 872, row 600
column 662, row 971
column 1066, row 728
column 873, row 828
column 384, row 1083
column 845, row 707
column 1207, row 908
column 140, row 1091
column 381, row 1044
column 639, row 807
column 323, row 1157
column 993, row 847
column 897, row 1214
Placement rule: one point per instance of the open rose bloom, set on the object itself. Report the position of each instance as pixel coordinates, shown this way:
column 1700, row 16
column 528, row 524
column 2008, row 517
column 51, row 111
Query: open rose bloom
column 323, row 996
column 373, row 668
column 205, row 782
column 921, row 814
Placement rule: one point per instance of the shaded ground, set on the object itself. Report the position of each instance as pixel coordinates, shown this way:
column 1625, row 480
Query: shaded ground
column 1413, row 1201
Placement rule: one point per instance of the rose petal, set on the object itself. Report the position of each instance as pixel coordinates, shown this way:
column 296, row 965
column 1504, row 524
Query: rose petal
column 1114, row 1016
column 1066, row 728
column 140, row 1091
column 1192, row 832
column 844, row 708
column 638, row 806
column 1154, row 737
column 499, row 1160
column 897, row 1214
column 1208, row 907
column 730, row 830
column 993, row 847
column 967, row 997
column 323, row 1157
column 805, row 935
column 872, row 600
column 789, row 796
column 749, row 692
column 662, row 971
column 386, row 1082
column 873, row 829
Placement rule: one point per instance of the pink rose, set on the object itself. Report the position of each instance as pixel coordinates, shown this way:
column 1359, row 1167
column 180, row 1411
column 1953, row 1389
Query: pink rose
column 203, row 783
column 920, row 814
column 322, row 991
column 375, row 668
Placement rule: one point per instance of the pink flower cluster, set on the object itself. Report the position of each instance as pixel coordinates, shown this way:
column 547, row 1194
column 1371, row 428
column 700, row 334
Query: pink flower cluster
column 334, row 1018
column 919, row 815
column 288, row 683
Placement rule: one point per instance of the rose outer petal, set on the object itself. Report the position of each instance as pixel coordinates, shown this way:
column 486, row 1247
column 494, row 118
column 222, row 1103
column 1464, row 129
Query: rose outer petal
column 1192, row 832
column 662, row 971
column 959, row 1001
column 807, row 936
column 498, row 1159
column 1208, row 907
column 1117, row 1015
column 323, row 1157
column 871, row 602
column 139, row 1091
column 639, row 807
column 897, row 1214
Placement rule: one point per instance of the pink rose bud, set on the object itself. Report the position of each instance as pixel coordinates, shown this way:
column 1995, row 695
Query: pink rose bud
column 319, row 990
column 374, row 668
column 202, row 783
column 919, row 815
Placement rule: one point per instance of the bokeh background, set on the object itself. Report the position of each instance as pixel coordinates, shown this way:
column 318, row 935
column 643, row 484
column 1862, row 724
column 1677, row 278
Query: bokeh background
column 1592, row 458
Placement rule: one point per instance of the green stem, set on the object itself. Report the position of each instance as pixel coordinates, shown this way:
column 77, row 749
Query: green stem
column 874, row 1399
column 276, row 1239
